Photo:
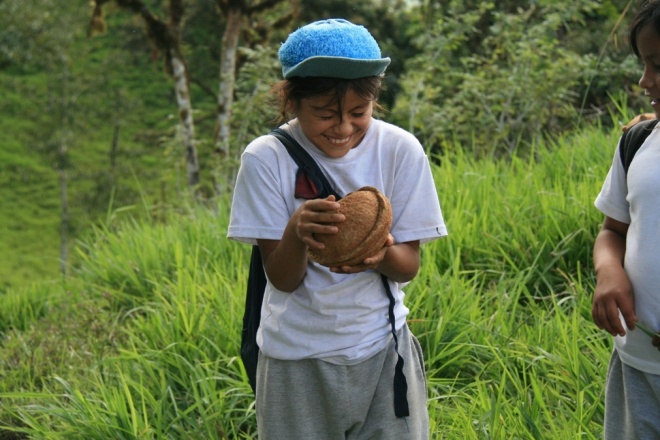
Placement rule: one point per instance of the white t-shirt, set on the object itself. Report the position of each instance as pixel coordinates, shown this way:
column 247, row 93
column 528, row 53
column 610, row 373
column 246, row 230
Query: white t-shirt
column 340, row 318
column 636, row 200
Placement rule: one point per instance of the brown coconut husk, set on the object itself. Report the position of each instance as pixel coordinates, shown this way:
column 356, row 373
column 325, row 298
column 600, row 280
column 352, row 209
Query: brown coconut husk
column 362, row 234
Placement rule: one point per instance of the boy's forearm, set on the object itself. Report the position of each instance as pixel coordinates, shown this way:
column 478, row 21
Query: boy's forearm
column 286, row 262
column 401, row 262
column 609, row 250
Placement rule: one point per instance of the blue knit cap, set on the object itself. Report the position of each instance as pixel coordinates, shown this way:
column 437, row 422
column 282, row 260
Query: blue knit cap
column 333, row 48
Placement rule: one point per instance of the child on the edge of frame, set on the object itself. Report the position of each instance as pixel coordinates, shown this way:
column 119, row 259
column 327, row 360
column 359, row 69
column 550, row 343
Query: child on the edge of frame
column 327, row 358
column 627, row 262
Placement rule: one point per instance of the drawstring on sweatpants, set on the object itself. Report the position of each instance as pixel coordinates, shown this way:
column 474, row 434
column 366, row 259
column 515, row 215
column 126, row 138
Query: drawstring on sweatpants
column 400, row 384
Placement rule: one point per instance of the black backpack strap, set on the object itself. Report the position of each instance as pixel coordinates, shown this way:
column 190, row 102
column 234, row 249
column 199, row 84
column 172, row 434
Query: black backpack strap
column 400, row 382
column 632, row 139
column 254, row 298
column 307, row 166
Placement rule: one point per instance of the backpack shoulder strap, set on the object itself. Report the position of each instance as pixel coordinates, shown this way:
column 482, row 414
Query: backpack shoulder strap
column 306, row 163
column 632, row 139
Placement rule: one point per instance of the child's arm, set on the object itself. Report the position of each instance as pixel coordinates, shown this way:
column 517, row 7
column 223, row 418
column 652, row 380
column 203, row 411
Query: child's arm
column 399, row 262
column 285, row 260
column 613, row 291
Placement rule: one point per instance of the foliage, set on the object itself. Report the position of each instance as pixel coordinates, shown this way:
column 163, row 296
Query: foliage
column 52, row 85
column 490, row 80
column 21, row 308
column 253, row 113
column 34, row 36
column 513, row 66
column 141, row 341
column 148, row 336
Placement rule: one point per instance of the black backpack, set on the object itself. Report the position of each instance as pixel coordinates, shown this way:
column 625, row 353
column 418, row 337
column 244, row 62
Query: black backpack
column 319, row 186
column 632, row 139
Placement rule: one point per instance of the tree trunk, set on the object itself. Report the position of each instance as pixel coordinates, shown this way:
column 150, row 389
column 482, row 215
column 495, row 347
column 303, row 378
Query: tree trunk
column 184, row 104
column 114, row 146
column 227, row 80
column 62, row 164
column 182, row 89
column 166, row 38
column 64, row 222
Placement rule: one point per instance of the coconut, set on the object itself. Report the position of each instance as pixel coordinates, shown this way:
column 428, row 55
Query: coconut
column 368, row 219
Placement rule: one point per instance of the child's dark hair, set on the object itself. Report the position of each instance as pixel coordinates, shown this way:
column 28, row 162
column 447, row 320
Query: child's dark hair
column 649, row 14
column 292, row 90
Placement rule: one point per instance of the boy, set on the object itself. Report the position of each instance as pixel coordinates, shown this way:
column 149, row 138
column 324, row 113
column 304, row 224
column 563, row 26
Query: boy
column 626, row 261
column 328, row 354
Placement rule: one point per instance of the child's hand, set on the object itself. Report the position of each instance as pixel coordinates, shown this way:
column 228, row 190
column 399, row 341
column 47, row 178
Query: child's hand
column 368, row 263
column 614, row 294
column 316, row 217
column 636, row 119
column 654, row 335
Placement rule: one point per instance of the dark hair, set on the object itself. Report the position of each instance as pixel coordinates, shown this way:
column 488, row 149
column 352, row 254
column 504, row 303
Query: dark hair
column 648, row 14
column 293, row 90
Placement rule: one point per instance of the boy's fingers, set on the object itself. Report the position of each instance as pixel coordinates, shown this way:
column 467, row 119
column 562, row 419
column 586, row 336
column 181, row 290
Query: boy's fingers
column 630, row 319
column 614, row 321
column 599, row 314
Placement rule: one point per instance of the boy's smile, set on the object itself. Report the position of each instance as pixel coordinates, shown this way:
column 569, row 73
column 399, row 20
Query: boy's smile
column 332, row 130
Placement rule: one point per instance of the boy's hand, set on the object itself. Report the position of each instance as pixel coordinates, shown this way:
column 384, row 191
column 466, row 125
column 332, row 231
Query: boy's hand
column 316, row 217
column 368, row 263
column 614, row 294
column 654, row 335
column 637, row 119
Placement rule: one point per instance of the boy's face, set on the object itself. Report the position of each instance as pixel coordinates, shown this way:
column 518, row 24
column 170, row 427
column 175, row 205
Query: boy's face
column 333, row 133
column 648, row 43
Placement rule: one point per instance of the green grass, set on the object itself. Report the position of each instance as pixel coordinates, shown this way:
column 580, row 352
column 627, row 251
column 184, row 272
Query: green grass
column 142, row 342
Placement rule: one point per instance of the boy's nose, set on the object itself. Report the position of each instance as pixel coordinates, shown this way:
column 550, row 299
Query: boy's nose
column 646, row 81
column 344, row 127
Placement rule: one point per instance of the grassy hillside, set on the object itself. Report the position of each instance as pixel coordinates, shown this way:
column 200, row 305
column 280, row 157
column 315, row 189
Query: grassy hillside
column 41, row 111
column 80, row 94
column 143, row 341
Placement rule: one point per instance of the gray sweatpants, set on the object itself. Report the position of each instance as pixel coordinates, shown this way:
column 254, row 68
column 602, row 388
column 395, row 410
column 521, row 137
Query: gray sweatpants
column 311, row 399
column 632, row 403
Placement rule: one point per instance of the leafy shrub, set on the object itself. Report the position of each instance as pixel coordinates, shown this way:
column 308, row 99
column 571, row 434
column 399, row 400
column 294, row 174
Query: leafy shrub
column 493, row 89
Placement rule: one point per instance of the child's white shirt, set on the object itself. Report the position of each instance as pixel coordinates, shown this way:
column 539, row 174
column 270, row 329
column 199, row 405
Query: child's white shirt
column 636, row 200
column 339, row 318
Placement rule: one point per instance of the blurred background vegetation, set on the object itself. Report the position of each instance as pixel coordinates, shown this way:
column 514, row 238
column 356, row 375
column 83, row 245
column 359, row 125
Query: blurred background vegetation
column 121, row 131
column 91, row 125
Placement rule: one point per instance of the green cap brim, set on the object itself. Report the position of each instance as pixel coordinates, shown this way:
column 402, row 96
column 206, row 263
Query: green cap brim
column 337, row 67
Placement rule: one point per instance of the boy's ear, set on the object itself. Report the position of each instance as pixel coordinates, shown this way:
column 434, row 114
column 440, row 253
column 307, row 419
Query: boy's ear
column 291, row 107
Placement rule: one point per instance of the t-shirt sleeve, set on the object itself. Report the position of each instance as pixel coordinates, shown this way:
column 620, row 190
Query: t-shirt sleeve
column 419, row 216
column 612, row 199
column 258, row 211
